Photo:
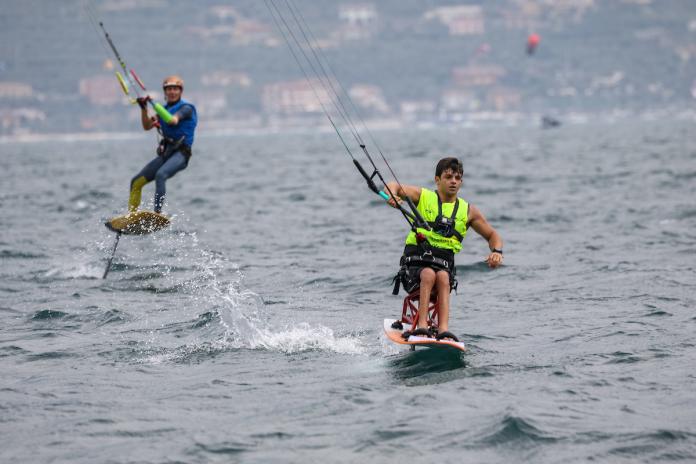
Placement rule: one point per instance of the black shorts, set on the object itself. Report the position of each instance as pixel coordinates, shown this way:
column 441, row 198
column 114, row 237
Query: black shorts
column 410, row 277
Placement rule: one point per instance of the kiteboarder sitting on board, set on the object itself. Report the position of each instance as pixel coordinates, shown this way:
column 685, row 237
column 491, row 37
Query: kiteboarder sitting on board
column 428, row 259
column 174, row 150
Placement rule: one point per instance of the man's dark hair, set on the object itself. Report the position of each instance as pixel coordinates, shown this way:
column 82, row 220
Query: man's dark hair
column 449, row 163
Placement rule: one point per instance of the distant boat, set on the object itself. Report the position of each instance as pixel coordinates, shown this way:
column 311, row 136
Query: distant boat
column 547, row 122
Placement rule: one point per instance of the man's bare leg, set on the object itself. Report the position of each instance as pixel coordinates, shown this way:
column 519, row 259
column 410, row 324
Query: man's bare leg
column 442, row 286
column 427, row 281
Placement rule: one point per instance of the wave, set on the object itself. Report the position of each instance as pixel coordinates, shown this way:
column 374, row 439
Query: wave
column 428, row 366
column 48, row 314
column 50, row 355
column 15, row 254
column 658, row 445
column 514, row 430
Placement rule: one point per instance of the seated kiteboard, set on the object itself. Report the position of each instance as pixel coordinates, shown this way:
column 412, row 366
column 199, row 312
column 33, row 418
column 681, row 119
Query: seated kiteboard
column 397, row 330
column 396, row 336
column 137, row 223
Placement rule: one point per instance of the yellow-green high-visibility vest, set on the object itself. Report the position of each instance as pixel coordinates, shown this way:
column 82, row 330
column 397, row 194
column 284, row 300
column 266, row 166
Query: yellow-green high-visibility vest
column 428, row 206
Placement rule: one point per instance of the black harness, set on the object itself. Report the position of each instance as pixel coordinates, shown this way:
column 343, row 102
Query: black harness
column 168, row 146
column 424, row 254
column 416, row 257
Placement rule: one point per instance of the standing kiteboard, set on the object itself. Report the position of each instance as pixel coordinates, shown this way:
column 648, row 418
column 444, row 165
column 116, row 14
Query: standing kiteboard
column 134, row 223
column 137, row 223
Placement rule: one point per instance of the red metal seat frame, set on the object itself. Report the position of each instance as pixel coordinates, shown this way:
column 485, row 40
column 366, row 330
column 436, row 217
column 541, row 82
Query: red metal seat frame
column 409, row 312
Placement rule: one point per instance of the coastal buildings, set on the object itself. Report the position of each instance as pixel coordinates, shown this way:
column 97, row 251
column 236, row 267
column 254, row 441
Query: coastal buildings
column 409, row 63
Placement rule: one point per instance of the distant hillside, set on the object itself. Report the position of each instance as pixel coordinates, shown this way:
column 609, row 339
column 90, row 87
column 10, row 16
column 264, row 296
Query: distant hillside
column 594, row 56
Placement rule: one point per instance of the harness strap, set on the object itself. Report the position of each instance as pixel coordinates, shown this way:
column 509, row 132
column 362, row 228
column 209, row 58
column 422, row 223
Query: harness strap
column 396, row 281
column 168, row 146
column 426, row 259
column 433, row 224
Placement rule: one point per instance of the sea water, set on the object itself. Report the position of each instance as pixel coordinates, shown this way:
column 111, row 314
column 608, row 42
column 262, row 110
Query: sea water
column 251, row 329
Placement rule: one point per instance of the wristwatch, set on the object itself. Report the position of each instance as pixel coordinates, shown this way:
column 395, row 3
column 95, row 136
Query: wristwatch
column 495, row 250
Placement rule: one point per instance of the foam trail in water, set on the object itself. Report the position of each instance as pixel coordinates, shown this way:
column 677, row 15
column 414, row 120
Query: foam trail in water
column 74, row 270
column 246, row 323
column 304, row 337
column 178, row 259
column 246, row 328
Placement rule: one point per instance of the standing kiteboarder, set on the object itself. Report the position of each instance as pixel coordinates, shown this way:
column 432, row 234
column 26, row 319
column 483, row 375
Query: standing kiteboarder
column 428, row 260
column 174, row 150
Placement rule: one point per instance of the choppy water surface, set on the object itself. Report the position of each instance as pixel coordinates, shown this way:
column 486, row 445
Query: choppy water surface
column 250, row 331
